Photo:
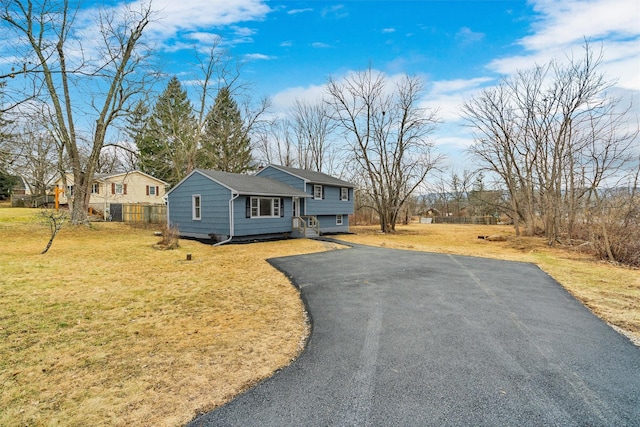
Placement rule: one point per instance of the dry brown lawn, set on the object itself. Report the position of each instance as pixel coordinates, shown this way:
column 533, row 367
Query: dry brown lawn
column 611, row 292
column 105, row 330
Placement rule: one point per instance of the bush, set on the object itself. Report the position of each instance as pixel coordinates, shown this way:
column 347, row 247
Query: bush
column 170, row 238
column 624, row 238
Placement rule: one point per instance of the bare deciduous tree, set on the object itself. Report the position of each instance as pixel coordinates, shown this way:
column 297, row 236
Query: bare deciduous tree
column 48, row 35
column 388, row 134
column 54, row 220
column 274, row 144
column 312, row 126
column 551, row 135
column 38, row 160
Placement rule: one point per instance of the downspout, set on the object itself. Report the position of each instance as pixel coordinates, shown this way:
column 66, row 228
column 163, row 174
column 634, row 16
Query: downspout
column 231, row 222
column 168, row 216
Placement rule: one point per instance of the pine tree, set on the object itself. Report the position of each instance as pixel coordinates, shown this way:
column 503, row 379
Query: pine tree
column 137, row 123
column 225, row 143
column 167, row 147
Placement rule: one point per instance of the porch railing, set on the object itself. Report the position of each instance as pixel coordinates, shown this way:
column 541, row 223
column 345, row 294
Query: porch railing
column 304, row 223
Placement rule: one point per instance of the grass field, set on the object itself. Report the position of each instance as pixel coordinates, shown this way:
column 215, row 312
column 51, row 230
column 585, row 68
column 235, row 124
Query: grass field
column 105, row 330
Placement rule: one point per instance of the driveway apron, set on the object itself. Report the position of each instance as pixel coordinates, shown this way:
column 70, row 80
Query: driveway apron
column 404, row 338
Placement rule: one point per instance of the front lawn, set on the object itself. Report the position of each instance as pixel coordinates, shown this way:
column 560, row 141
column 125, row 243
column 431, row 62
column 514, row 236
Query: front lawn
column 105, row 330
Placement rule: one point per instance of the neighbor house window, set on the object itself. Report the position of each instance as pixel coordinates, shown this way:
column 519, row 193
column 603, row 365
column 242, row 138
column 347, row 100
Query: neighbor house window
column 152, row 190
column 196, row 209
column 338, row 219
column 95, row 188
column 266, row 207
column 344, row 194
column 317, row 191
column 118, row 188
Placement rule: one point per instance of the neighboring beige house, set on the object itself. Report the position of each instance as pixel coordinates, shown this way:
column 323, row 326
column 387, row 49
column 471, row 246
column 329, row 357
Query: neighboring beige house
column 110, row 191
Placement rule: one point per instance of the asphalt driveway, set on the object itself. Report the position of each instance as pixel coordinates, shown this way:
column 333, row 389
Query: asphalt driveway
column 403, row 338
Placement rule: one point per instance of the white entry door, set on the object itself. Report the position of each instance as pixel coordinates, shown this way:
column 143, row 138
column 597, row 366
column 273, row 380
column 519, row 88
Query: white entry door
column 295, row 203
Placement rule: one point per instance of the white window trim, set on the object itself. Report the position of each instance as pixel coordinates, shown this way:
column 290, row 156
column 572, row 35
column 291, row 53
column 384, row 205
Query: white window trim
column 196, row 211
column 119, row 188
column 152, row 191
column 274, row 211
column 344, row 194
column 339, row 219
column 317, row 189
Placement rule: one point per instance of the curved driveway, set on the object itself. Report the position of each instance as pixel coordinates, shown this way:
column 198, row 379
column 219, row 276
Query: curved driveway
column 403, row 338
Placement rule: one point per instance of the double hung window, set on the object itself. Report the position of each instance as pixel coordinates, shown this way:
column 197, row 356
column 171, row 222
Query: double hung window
column 317, row 192
column 196, row 207
column 344, row 194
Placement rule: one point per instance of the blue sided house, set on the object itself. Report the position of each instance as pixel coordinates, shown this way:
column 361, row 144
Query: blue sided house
column 277, row 201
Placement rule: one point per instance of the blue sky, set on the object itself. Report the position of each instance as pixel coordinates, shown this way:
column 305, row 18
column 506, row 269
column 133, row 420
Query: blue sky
column 290, row 48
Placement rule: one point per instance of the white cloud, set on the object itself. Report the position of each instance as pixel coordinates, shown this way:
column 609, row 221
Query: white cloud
column 336, row 11
column 388, row 30
column 455, row 144
column 562, row 27
column 448, row 95
column 297, row 11
column 204, row 37
column 257, row 57
column 465, row 35
column 320, row 45
column 191, row 15
column 243, row 31
column 446, row 86
column 283, row 101
column 567, row 22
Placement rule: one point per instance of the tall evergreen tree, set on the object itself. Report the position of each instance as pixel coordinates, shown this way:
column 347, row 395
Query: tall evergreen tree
column 168, row 146
column 226, row 145
column 137, row 123
column 6, row 184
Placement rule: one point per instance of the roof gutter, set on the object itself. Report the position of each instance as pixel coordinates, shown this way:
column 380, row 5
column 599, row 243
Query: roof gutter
column 231, row 221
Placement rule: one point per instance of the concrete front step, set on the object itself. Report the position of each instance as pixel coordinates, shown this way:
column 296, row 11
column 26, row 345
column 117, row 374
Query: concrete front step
column 309, row 234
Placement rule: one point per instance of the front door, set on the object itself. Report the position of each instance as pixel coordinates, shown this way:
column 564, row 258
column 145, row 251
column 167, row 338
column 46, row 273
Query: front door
column 295, row 203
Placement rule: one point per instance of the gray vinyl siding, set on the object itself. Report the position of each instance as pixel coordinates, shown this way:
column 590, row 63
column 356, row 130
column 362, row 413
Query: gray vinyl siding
column 214, row 202
column 270, row 172
column 255, row 226
column 328, row 224
column 331, row 204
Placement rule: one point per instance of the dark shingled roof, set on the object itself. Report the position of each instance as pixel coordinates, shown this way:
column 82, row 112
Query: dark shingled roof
column 252, row 185
column 314, row 177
